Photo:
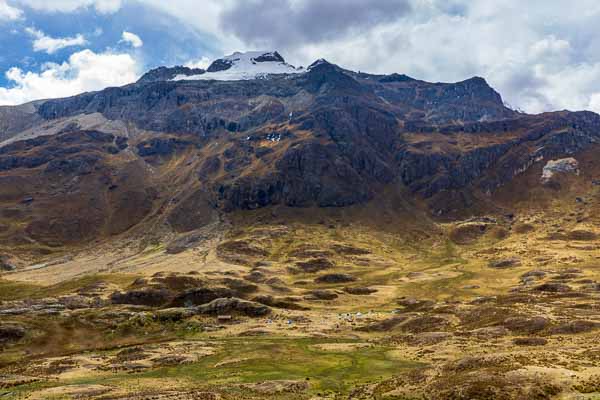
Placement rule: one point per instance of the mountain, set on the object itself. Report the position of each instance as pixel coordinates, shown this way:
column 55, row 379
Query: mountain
column 253, row 131
column 259, row 230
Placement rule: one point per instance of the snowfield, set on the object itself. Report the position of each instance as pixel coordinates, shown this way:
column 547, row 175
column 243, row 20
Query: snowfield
column 245, row 67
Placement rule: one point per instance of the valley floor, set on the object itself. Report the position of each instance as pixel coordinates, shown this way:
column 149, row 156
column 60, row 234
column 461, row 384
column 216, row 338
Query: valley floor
column 487, row 308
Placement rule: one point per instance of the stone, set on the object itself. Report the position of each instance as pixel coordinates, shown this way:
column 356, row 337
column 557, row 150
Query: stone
column 335, row 278
column 229, row 305
column 505, row 263
column 321, row 295
column 11, row 333
column 6, row 264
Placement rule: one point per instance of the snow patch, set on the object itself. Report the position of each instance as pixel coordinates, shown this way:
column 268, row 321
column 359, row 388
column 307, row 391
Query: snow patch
column 247, row 66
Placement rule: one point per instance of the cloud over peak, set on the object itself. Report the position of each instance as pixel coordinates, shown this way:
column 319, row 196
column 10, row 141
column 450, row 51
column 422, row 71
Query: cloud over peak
column 284, row 22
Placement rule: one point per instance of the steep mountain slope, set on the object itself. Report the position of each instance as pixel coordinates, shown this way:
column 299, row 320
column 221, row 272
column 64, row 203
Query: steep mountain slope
column 323, row 137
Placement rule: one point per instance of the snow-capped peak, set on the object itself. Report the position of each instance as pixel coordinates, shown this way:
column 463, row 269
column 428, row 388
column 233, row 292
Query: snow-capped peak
column 320, row 61
column 245, row 66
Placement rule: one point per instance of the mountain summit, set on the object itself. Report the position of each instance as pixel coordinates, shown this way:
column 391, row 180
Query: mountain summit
column 237, row 66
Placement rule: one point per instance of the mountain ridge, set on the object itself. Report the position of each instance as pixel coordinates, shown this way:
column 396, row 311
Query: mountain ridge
column 325, row 137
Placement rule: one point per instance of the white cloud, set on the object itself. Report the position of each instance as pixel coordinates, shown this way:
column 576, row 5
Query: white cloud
column 51, row 45
column 203, row 63
column 102, row 6
column 84, row 71
column 9, row 13
column 541, row 55
column 131, row 38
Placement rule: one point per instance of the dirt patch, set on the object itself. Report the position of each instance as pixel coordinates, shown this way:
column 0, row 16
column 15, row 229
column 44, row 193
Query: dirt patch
column 341, row 347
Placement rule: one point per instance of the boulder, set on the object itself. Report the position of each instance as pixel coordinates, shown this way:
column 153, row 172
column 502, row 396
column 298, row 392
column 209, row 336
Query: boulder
column 199, row 296
column 530, row 341
column 321, row 295
column 174, row 314
column 574, row 327
column 11, row 333
column 315, row 265
column 6, row 264
column 234, row 305
column 256, row 277
column 552, row 287
column 360, row 290
column 505, row 263
column 335, row 278
column 525, row 325
column 144, row 297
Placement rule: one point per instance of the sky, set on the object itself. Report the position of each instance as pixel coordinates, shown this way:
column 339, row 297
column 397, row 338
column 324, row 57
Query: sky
column 541, row 55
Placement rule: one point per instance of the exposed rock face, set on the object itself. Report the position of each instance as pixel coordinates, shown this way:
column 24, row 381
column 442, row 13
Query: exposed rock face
column 145, row 297
column 166, row 73
column 11, row 333
column 565, row 165
column 220, row 65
